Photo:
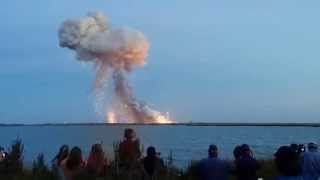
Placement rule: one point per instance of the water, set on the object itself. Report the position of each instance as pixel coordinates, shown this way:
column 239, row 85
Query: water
column 185, row 142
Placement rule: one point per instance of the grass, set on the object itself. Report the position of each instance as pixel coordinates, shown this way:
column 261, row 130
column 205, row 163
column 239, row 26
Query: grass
column 13, row 169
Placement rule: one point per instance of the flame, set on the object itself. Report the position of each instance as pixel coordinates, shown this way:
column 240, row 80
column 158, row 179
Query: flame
column 111, row 117
column 161, row 119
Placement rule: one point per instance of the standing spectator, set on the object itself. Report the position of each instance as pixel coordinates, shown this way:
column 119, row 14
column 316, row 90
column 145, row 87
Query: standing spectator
column 73, row 165
column 129, row 149
column 246, row 165
column 152, row 164
column 97, row 162
column 57, row 160
column 310, row 163
column 213, row 167
column 287, row 163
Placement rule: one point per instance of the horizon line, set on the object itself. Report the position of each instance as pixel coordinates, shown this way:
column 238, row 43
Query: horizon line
column 291, row 124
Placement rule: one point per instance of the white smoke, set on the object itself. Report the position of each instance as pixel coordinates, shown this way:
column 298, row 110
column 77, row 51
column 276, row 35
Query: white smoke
column 113, row 51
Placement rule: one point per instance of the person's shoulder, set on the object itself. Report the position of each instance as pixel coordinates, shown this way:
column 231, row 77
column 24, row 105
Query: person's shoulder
column 305, row 154
column 288, row 178
column 281, row 178
column 63, row 162
column 203, row 161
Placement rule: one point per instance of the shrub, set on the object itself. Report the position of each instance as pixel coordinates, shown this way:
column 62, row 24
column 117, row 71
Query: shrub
column 15, row 157
column 40, row 170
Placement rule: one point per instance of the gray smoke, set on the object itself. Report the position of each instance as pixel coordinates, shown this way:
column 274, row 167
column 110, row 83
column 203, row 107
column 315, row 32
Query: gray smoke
column 113, row 51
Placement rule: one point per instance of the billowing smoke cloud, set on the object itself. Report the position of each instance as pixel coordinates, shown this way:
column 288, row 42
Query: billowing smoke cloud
column 113, row 51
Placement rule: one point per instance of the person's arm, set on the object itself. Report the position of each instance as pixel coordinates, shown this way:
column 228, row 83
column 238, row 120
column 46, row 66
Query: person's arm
column 138, row 151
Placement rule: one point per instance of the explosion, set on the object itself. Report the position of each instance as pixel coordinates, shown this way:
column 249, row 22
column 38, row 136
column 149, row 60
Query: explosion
column 112, row 51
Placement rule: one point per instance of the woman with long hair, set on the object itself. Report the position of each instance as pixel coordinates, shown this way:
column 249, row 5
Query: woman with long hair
column 57, row 160
column 62, row 154
column 73, row 165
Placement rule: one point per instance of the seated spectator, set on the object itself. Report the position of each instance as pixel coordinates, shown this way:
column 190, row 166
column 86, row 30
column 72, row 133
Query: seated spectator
column 73, row 165
column 213, row 167
column 310, row 163
column 152, row 163
column 246, row 166
column 129, row 149
column 287, row 163
column 97, row 162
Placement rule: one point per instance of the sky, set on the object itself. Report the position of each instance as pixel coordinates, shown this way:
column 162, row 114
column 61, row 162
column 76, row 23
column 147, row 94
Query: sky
column 209, row 60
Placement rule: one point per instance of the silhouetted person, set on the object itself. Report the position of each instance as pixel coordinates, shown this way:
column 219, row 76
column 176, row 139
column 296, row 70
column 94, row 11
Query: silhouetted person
column 2, row 154
column 295, row 147
column 237, row 152
column 73, row 165
column 310, row 162
column 152, row 163
column 213, row 167
column 62, row 155
column 4, row 162
column 301, row 148
column 246, row 166
column 287, row 163
column 97, row 162
column 129, row 149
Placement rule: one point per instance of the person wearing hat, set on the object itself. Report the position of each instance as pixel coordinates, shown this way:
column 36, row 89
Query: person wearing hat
column 310, row 162
column 287, row 163
column 213, row 167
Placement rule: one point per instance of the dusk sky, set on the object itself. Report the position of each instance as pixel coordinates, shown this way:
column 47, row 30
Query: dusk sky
column 209, row 60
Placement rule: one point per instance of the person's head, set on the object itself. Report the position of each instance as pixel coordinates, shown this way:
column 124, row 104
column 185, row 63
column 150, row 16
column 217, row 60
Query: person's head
column 151, row 151
column 245, row 150
column 237, row 152
column 287, row 161
column 129, row 134
column 312, row 147
column 75, row 158
column 213, row 151
column 63, row 153
column 97, row 150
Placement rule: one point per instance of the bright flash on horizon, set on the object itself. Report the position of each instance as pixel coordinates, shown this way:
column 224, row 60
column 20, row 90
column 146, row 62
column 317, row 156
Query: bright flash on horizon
column 157, row 118
column 111, row 117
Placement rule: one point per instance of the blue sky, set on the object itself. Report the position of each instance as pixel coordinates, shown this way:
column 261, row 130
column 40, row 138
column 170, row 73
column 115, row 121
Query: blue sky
column 210, row 60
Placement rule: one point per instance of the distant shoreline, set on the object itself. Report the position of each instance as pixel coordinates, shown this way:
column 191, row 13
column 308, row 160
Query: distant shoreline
column 174, row 124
